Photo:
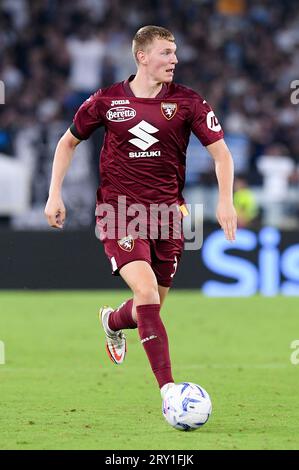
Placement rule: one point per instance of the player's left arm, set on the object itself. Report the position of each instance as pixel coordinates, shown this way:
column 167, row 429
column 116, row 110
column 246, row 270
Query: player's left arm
column 224, row 168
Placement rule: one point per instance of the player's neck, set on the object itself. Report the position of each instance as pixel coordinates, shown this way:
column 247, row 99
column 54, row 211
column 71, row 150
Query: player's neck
column 142, row 87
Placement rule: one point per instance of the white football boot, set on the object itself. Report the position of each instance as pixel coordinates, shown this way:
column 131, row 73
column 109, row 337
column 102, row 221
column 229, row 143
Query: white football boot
column 116, row 345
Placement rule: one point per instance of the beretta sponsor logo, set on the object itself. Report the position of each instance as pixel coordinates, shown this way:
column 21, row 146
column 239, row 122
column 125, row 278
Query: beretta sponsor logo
column 120, row 114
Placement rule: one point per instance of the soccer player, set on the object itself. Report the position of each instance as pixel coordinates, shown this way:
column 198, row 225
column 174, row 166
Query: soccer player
column 148, row 120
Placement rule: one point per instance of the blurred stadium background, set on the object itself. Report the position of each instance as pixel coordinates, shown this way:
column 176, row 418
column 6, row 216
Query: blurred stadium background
column 240, row 55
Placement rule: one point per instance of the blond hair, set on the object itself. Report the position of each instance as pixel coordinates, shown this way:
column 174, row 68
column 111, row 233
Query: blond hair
column 146, row 35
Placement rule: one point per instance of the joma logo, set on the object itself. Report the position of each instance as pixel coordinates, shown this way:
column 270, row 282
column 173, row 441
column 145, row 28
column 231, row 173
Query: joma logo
column 118, row 102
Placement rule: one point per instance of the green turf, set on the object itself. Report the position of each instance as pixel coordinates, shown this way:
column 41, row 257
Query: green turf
column 58, row 389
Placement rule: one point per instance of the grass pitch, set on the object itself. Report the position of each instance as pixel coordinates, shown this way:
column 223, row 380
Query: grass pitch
column 58, row 389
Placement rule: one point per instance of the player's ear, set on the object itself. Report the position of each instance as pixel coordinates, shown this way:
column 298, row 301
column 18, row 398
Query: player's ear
column 141, row 57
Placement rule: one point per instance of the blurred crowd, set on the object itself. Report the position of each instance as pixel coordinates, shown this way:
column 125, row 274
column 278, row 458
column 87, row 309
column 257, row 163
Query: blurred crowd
column 240, row 55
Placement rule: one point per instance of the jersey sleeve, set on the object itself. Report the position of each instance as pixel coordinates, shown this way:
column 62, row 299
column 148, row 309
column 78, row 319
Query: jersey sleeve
column 88, row 118
column 204, row 123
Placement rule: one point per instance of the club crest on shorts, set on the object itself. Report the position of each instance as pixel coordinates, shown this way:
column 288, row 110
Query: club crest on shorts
column 168, row 110
column 126, row 243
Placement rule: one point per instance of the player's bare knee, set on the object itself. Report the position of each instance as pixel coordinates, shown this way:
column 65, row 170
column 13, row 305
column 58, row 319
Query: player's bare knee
column 146, row 294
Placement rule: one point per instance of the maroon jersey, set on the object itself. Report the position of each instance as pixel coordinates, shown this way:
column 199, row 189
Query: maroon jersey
column 144, row 151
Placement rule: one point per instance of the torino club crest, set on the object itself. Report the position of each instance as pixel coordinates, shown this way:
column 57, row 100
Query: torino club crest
column 169, row 110
column 126, row 243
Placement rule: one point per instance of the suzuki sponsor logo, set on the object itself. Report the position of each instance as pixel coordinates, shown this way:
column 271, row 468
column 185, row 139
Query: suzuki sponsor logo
column 154, row 153
column 120, row 114
column 118, row 102
column 143, row 132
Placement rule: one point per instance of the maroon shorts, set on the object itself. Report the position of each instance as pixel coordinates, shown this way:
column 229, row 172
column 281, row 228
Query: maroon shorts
column 162, row 255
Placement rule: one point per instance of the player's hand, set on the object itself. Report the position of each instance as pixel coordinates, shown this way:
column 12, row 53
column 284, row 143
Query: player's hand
column 227, row 218
column 55, row 212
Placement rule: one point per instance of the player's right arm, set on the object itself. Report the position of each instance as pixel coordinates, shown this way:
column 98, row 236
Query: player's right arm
column 55, row 209
column 86, row 120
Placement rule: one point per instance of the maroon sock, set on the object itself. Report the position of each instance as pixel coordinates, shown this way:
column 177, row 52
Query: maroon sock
column 155, row 342
column 122, row 317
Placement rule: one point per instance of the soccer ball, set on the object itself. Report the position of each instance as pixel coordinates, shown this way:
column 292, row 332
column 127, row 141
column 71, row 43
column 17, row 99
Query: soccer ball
column 186, row 406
